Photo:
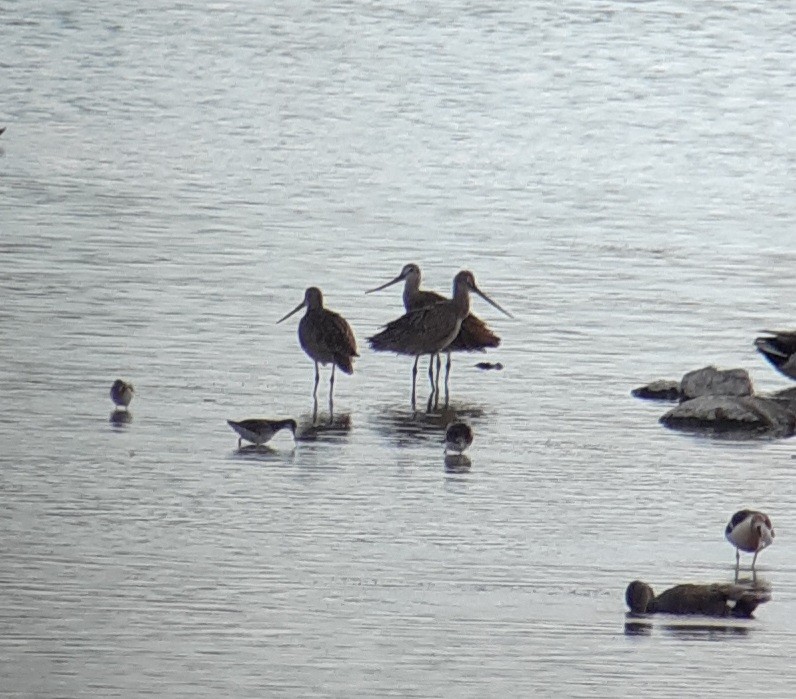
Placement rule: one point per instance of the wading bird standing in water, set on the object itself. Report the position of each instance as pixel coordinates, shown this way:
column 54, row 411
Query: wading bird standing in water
column 458, row 437
column 750, row 531
column 259, row 431
column 429, row 330
column 327, row 338
column 122, row 393
column 473, row 336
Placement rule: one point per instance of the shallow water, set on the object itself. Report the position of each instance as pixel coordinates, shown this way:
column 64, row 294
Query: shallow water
column 619, row 177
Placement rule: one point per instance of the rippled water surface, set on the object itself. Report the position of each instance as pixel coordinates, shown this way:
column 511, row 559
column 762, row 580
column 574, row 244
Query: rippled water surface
column 620, row 176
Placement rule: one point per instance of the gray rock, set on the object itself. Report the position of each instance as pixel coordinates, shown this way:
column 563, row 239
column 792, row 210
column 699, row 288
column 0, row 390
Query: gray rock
column 711, row 381
column 786, row 394
column 722, row 413
column 658, row 390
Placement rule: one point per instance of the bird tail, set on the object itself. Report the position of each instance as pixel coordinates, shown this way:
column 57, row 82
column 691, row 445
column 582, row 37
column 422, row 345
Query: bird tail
column 345, row 363
column 474, row 336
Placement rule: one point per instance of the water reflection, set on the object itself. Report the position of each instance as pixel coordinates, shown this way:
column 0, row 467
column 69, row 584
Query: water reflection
column 406, row 428
column 120, row 418
column 336, row 427
column 265, row 453
column 689, row 631
column 457, row 463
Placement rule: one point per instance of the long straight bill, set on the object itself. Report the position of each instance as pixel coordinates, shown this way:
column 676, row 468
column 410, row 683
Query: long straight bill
column 491, row 302
column 384, row 286
column 295, row 310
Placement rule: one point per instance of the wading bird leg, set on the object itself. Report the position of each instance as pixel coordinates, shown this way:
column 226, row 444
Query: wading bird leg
column 447, row 376
column 317, row 378
column 436, row 383
column 754, row 558
column 431, row 381
column 331, row 396
column 414, row 384
column 737, row 564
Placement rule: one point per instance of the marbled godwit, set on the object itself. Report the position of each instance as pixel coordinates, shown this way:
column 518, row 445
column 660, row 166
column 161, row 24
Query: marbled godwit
column 122, row 393
column 260, row 431
column 779, row 349
column 326, row 337
column 710, row 600
column 429, row 330
column 474, row 335
column 458, row 437
column 750, row 531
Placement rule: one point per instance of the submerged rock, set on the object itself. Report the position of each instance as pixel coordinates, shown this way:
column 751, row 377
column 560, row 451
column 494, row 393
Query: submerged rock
column 750, row 414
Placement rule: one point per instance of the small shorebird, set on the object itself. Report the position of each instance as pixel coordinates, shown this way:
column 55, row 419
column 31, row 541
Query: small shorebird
column 474, row 335
column 122, row 393
column 260, row 431
column 750, row 531
column 458, row 437
column 779, row 348
column 326, row 337
column 431, row 329
column 710, row 600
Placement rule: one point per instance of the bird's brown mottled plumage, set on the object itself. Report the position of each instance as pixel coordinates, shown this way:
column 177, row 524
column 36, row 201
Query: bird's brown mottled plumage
column 474, row 334
column 326, row 337
column 708, row 600
column 430, row 329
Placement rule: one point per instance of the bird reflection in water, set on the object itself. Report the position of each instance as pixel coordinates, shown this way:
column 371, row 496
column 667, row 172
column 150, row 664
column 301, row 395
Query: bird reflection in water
column 457, row 463
column 336, row 428
column 689, row 631
column 406, row 428
column 120, row 418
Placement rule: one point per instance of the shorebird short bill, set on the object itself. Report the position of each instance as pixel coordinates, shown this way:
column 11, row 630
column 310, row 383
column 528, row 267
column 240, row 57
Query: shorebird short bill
column 750, row 531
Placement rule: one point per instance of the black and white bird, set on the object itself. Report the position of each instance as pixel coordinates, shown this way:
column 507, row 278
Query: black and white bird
column 779, row 348
column 458, row 437
column 750, row 531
